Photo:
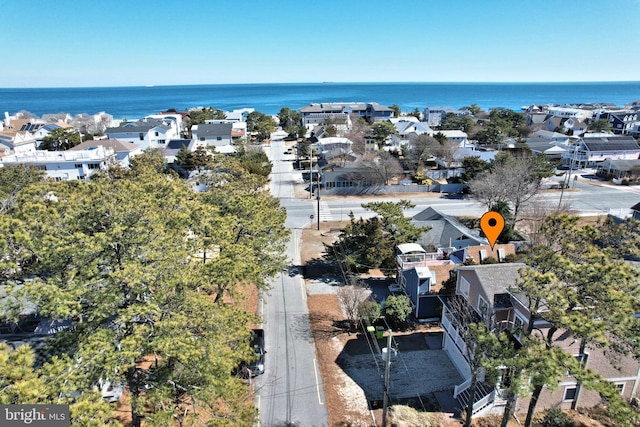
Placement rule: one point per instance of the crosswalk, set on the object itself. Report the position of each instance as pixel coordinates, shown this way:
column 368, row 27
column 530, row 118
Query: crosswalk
column 325, row 213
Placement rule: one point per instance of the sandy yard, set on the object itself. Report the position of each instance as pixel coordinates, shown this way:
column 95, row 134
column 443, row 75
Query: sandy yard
column 352, row 375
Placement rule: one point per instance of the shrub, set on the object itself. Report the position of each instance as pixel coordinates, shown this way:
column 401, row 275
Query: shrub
column 555, row 417
column 397, row 308
column 369, row 310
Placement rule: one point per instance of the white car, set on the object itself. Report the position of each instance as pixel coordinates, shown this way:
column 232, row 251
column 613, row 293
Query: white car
column 395, row 288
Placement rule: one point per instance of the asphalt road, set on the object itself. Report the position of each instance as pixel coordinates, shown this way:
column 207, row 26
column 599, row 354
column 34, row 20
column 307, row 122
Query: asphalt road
column 290, row 392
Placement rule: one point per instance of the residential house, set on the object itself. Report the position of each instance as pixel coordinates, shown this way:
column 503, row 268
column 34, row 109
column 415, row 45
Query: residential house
column 170, row 151
column 372, row 112
column 238, row 128
column 216, row 135
column 551, row 150
column 434, row 115
column 622, row 121
column 65, row 165
column 348, row 175
column 176, row 120
column 488, row 291
column 457, row 137
column 17, row 135
column 554, row 137
column 564, row 112
column 619, row 169
column 420, row 275
column 570, row 125
column 124, row 151
column 594, row 149
column 239, row 115
column 396, row 120
column 635, row 209
column 406, row 131
column 445, row 231
column 147, row 132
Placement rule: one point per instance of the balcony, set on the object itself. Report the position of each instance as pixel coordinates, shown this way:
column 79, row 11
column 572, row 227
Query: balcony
column 407, row 261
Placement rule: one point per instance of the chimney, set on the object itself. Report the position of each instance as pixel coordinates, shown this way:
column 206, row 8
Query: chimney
column 7, row 121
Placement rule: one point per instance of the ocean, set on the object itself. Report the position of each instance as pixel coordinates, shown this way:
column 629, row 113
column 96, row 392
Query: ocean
column 136, row 102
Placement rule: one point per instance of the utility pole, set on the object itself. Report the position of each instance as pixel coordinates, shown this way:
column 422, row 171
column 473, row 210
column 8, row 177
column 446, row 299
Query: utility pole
column 385, row 398
column 311, row 173
column 318, row 196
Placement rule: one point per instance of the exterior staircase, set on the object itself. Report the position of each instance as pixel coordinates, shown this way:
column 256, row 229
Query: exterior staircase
column 484, row 397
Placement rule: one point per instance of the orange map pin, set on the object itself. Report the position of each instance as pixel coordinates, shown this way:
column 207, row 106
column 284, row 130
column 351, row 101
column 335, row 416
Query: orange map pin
column 492, row 224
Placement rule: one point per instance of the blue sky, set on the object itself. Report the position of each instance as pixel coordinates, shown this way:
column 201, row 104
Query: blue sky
column 66, row 43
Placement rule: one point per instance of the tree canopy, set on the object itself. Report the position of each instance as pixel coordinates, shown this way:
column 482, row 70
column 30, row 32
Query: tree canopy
column 261, row 125
column 368, row 244
column 201, row 115
column 60, row 139
column 141, row 268
column 585, row 292
column 381, row 131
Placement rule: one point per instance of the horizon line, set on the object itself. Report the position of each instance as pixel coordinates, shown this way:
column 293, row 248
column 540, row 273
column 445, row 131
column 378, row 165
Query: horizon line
column 328, row 83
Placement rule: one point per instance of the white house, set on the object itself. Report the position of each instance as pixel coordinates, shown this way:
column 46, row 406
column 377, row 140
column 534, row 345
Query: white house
column 65, row 165
column 148, row 132
column 124, row 151
column 457, row 137
column 406, row 131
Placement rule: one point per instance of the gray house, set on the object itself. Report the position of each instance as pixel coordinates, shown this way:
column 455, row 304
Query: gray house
column 212, row 135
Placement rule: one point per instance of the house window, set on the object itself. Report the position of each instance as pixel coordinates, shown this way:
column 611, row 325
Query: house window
column 219, row 138
column 501, row 255
column 156, row 133
column 78, row 165
column 483, row 255
column 570, row 393
column 141, row 136
column 483, row 307
column 464, row 286
column 161, row 141
column 620, row 387
column 517, row 322
column 202, row 138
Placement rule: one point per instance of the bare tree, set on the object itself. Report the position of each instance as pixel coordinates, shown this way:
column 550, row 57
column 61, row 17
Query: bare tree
column 357, row 133
column 512, row 180
column 378, row 169
column 422, row 148
column 446, row 151
column 351, row 297
column 533, row 218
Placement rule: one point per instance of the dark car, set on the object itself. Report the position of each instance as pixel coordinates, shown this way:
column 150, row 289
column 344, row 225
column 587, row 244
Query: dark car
column 257, row 343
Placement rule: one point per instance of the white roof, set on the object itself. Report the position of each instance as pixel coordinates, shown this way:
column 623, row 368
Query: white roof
column 334, row 140
column 410, row 247
column 423, row 272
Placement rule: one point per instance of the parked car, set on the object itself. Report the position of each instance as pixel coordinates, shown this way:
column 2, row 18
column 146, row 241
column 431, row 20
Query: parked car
column 257, row 343
column 111, row 391
column 255, row 367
